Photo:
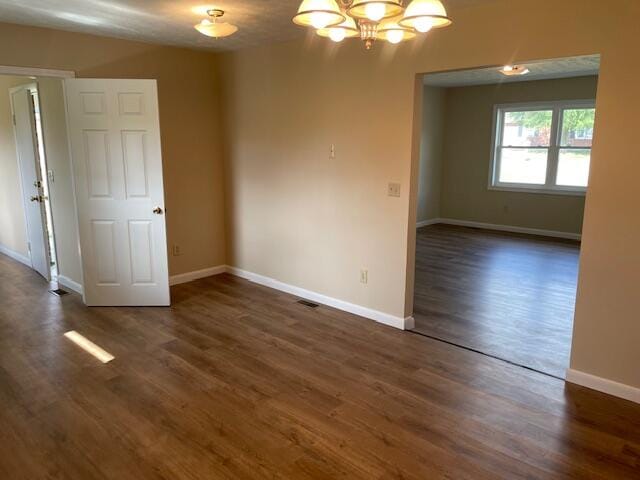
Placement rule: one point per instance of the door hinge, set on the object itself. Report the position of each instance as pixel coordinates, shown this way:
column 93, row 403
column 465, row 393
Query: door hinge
column 14, row 118
column 29, row 246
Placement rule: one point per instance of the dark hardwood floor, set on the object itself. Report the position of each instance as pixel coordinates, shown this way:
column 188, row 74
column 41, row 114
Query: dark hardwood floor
column 507, row 295
column 239, row 381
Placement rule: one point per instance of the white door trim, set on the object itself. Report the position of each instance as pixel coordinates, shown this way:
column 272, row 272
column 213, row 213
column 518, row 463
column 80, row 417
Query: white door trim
column 35, row 72
column 25, row 205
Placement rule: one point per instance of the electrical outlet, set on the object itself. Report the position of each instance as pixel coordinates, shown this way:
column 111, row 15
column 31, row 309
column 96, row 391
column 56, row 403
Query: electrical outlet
column 394, row 189
column 364, row 276
column 332, row 153
column 176, row 251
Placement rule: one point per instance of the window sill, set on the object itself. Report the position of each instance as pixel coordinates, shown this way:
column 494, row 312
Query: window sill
column 538, row 190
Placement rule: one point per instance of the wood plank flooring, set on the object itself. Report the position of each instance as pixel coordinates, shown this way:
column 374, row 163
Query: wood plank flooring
column 237, row 381
column 508, row 295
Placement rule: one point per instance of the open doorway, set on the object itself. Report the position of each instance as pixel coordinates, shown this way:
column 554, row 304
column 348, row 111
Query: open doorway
column 33, row 177
column 504, row 167
column 37, row 210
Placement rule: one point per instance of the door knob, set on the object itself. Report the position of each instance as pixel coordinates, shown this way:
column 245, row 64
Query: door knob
column 157, row 211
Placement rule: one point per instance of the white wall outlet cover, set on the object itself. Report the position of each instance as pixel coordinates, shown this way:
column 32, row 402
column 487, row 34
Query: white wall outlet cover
column 364, row 276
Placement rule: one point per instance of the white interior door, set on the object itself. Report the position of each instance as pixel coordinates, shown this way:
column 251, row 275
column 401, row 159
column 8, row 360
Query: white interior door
column 114, row 132
column 27, row 150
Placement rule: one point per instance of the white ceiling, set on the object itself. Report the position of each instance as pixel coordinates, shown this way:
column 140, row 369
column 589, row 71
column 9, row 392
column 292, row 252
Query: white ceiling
column 167, row 22
column 541, row 70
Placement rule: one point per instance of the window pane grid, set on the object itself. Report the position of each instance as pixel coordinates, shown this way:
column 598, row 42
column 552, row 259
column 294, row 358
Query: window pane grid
column 543, row 146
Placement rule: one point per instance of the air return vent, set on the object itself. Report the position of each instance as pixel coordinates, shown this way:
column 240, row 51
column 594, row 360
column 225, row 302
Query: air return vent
column 59, row 292
column 307, row 303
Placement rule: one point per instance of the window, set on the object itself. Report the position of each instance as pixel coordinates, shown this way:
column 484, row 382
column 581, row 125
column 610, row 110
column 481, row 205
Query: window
column 543, row 147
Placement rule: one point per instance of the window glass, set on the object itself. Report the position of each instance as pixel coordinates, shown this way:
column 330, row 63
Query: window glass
column 573, row 167
column 527, row 128
column 523, row 165
column 577, row 127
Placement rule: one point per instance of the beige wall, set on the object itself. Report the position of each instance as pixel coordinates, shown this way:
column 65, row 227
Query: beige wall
column 302, row 218
column 467, row 158
column 13, row 230
column 431, row 153
column 65, row 226
column 189, row 121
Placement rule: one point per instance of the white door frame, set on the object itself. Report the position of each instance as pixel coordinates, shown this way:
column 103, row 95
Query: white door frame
column 35, row 72
column 52, row 73
column 29, row 87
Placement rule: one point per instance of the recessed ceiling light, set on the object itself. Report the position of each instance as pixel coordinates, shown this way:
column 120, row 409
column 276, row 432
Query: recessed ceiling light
column 514, row 70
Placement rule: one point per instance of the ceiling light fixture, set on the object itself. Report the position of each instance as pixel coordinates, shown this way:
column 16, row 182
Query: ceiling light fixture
column 211, row 27
column 319, row 14
column 372, row 19
column 514, row 70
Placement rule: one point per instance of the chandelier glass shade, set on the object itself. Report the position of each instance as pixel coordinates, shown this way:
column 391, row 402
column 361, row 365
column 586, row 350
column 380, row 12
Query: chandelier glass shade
column 392, row 32
column 374, row 10
column 372, row 20
column 337, row 33
column 423, row 15
column 319, row 14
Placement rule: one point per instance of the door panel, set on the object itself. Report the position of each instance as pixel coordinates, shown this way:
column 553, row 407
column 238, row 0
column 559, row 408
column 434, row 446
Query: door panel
column 27, row 150
column 115, row 142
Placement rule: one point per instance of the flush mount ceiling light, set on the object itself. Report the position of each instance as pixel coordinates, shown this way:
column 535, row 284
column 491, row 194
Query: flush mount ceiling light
column 372, row 19
column 211, row 27
column 514, row 70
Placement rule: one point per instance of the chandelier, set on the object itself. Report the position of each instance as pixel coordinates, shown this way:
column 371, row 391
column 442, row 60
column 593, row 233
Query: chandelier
column 371, row 20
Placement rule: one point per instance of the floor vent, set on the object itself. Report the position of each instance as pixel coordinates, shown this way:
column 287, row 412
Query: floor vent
column 307, row 303
column 59, row 292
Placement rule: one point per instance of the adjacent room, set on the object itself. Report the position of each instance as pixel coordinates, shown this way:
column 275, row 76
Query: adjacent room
column 37, row 212
column 319, row 239
column 504, row 169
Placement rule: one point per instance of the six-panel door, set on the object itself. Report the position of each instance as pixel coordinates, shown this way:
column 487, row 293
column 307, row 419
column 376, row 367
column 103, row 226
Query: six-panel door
column 114, row 132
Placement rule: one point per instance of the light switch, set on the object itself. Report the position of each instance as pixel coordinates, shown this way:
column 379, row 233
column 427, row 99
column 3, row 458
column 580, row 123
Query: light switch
column 394, row 189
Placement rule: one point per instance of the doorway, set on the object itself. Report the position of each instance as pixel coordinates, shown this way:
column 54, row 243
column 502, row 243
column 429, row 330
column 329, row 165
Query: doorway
column 504, row 167
column 33, row 174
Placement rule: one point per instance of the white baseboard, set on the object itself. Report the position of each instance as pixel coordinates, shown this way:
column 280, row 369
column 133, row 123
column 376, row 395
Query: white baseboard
column 431, row 221
column 16, row 256
column 70, row 284
column 196, row 275
column 380, row 317
column 603, row 385
column 506, row 228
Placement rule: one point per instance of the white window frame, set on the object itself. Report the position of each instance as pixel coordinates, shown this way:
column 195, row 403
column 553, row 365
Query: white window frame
column 554, row 147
